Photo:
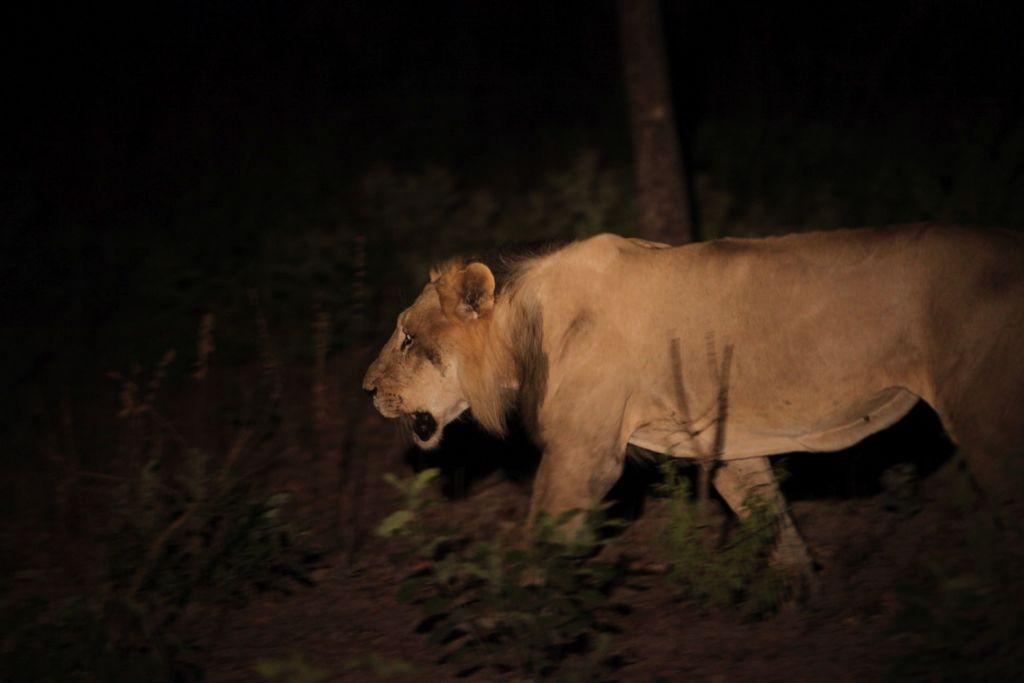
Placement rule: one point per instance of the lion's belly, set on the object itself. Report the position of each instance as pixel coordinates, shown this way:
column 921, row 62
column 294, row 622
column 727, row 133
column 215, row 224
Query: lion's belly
column 745, row 437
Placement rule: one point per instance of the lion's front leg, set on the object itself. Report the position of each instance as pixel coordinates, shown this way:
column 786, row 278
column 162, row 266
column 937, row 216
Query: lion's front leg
column 573, row 477
column 736, row 481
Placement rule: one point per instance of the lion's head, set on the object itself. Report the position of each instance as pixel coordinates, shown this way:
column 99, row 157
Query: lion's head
column 427, row 372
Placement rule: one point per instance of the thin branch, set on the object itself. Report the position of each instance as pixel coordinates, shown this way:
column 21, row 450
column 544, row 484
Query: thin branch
column 719, row 376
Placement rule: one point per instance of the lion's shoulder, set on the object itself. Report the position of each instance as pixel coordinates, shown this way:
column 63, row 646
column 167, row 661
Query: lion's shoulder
column 604, row 249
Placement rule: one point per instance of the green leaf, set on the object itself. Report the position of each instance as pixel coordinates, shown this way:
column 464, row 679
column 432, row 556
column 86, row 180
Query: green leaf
column 395, row 482
column 565, row 517
column 296, row 669
column 395, row 523
column 422, row 480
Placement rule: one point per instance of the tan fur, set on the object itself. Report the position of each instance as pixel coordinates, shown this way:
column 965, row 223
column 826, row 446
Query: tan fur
column 487, row 373
column 466, row 293
column 835, row 336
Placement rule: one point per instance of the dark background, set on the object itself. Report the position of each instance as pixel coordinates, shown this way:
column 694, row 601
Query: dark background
column 146, row 140
column 166, row 160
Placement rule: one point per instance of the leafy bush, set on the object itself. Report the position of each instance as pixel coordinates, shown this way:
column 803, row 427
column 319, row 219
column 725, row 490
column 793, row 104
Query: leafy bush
column 208, row 537
column 108, row 637
column 179, row 543
column 509, row 606
column 187, row 533
column 736, row 573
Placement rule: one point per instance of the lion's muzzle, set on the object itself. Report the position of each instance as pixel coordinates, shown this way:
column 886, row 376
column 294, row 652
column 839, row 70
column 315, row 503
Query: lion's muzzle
column 388, row 404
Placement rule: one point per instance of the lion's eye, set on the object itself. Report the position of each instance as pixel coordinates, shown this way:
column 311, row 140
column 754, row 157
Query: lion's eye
column 407, row 342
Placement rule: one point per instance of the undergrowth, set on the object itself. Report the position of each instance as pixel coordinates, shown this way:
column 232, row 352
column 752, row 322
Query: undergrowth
column 507, row 606
column 734, row 573
column 297, row 668
column 962, row 618
column 186, row 535
column 181, row 547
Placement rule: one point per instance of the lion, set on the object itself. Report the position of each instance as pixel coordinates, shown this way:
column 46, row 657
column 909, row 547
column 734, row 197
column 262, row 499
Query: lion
column 604, row 343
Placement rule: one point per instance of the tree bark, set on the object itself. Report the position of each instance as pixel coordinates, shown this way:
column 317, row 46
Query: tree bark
column 663, row 209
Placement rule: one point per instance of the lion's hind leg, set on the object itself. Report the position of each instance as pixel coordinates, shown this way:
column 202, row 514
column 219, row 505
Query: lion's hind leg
column 738, row 482
column 984, row 415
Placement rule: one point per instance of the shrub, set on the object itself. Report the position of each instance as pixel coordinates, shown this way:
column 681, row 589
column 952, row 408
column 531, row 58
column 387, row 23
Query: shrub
column 735, row 573
column 205, row 541
column 510, row 606
column 188, row 533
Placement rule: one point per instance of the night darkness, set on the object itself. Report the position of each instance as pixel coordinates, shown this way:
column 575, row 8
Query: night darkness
column 211, row 212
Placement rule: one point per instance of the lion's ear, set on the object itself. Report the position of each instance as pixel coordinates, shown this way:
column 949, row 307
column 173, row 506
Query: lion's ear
column 468, row 293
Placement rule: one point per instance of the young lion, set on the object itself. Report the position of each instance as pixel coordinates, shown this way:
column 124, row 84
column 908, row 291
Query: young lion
column 834, row 336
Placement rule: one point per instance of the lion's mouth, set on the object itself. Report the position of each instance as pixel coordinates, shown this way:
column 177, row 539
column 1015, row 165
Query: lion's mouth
column 423, row 425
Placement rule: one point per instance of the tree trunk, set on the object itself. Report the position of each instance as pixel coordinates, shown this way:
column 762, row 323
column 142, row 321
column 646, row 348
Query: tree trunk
column 663, row 210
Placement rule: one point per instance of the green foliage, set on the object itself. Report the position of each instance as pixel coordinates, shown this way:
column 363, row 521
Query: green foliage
column 382, row 667
column 295, row 669
column 734, row 574
column 181, row 542
column 511, row 606
column 298, row 669
column 221, row 539
column 91, row 638
column 408, row 522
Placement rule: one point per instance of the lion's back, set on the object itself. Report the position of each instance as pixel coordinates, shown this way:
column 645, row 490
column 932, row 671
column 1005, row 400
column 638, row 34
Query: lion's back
column 938, row 308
